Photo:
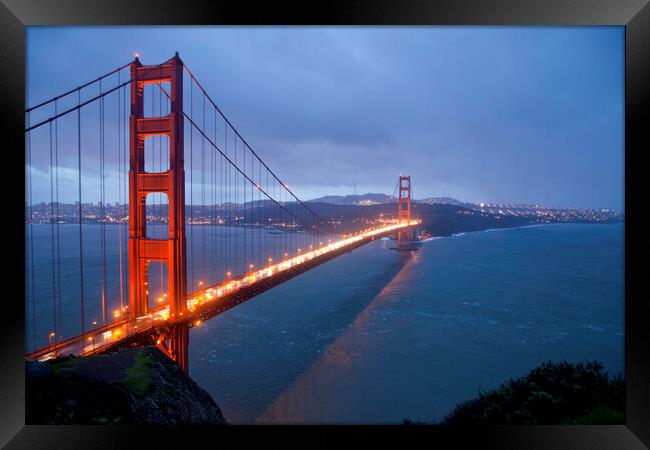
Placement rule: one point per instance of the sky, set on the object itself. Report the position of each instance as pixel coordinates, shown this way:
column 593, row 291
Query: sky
column 481, row 114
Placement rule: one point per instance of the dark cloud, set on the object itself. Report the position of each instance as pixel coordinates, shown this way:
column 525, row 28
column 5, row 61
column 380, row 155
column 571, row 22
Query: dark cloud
column 492, row 114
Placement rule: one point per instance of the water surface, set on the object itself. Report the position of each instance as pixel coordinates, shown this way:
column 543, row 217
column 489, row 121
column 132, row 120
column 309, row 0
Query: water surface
column 376, row 336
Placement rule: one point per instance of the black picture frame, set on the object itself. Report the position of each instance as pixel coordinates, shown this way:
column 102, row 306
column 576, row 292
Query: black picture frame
column 15, row 15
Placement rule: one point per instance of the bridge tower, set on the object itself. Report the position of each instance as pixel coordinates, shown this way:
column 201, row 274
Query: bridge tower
column 170, row 251
column 404, row 210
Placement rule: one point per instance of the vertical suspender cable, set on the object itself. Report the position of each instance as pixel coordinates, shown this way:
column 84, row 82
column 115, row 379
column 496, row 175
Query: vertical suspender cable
column 236, row 188
column 267, row 214
column 190, row 229
column 119, row 181
column 203, row 272
column 126, row 164
column 31, row 231
column 102, row 200
column 58, row 247
column 54, row 314
column 222, row 183
column 258, row 221
column 81, row 248
column 160, row 196
column 213, row 166
column 252, row 210
column 243, row 188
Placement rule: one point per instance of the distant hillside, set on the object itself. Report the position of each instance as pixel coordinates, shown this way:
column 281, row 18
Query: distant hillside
column 375, row 199
column 445, row 201
column 365, row 199
column 438, row 219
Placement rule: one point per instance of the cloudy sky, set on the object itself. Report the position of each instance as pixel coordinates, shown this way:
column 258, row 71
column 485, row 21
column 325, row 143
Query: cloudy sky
column 508, row 114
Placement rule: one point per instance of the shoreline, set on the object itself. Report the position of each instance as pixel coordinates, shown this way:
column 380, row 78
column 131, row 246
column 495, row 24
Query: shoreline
column 533, row 225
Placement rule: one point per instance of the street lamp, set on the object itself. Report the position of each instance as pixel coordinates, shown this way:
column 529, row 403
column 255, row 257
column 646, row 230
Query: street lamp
column 50, row 336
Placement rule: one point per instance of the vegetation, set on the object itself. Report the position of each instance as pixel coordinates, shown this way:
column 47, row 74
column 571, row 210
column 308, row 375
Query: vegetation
column 132, row 386
column 553, row 393
column 137, row 377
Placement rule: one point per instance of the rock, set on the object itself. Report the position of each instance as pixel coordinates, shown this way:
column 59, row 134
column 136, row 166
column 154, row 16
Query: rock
column 132, row 386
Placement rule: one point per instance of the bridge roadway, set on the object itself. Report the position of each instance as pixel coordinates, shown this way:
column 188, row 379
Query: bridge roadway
column 208, row 302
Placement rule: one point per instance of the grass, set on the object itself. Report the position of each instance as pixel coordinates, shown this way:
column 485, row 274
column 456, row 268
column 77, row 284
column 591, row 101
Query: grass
column 66, row 364
column 136, row 378
column 601, row 414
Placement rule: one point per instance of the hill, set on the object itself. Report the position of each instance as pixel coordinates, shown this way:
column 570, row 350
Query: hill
column 133, row 386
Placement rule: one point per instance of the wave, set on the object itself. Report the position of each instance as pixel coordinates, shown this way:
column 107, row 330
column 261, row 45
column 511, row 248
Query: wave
column 487, row 230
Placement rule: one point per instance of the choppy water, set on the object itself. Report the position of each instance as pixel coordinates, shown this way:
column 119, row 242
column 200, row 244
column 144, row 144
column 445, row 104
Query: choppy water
column 375, row 336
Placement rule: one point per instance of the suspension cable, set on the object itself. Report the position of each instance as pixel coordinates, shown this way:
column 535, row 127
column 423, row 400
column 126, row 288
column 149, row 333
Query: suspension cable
column 82, row 104
column 71, row 91
column 246, row 143
column 234, row 164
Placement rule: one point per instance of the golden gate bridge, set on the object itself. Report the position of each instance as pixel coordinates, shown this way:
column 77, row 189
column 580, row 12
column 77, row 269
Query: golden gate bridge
column 164, row 265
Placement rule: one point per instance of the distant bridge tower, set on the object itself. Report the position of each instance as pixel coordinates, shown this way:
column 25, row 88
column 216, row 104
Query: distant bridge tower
column 404, row 210
column 170, row 251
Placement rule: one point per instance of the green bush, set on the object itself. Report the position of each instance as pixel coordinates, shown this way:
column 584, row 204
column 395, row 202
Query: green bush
column 553, row 393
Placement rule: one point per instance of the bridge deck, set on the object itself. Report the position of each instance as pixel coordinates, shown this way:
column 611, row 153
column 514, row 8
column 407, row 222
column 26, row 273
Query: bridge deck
column 209, row 302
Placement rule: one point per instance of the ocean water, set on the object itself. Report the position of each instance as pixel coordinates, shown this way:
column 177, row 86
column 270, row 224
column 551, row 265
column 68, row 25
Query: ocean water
column 376, row 336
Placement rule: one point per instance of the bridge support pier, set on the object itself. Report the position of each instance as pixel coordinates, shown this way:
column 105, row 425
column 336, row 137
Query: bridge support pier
column 180, row 341
column 174, row 341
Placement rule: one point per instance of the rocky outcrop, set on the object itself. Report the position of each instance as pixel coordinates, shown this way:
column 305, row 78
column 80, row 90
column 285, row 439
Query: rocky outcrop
column 133, row 386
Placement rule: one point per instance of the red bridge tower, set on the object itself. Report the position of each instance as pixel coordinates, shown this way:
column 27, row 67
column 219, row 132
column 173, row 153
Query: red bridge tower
column 404, row 210
column 170, row 251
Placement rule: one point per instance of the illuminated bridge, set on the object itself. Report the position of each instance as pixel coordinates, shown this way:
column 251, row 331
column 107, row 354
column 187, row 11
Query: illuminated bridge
column 148, row 213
